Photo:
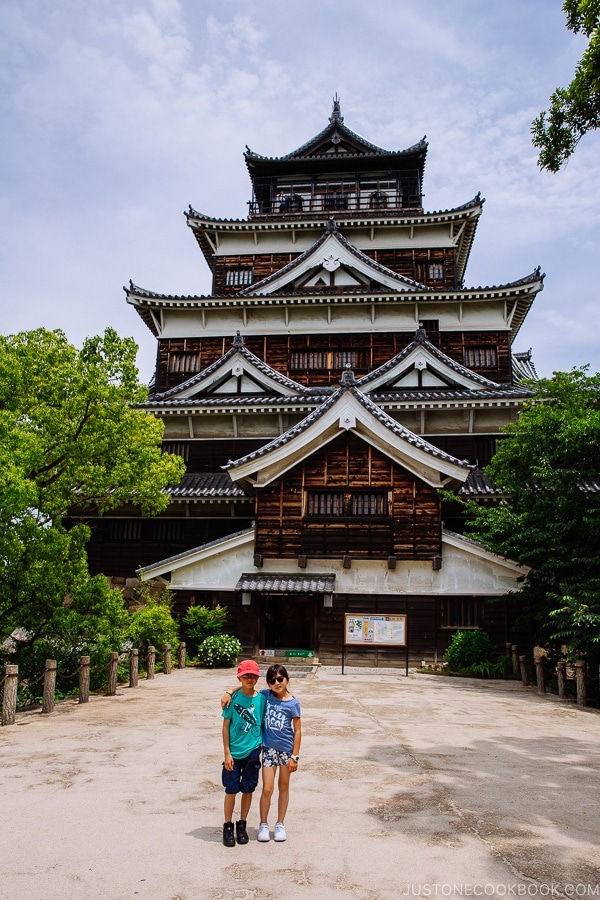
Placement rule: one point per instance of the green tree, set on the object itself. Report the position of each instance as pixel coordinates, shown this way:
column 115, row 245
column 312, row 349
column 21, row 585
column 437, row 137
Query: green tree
column 70, row 436
column 549, row 465
column 574, row 110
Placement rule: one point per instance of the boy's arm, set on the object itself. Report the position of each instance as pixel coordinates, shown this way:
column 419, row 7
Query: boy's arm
column 226, row 697
column 226, row 751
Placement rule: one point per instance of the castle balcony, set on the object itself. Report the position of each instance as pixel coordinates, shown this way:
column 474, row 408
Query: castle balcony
column 324, row 198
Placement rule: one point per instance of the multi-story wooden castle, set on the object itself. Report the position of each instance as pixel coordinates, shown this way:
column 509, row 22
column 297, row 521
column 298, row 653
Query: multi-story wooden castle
column 337, row 378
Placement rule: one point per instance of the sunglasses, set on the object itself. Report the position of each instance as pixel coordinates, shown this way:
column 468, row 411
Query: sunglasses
column 277, row 680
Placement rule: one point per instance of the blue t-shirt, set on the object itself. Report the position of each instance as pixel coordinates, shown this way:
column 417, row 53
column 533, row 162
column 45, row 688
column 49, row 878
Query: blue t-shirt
column 246, row 714
column 278, row 732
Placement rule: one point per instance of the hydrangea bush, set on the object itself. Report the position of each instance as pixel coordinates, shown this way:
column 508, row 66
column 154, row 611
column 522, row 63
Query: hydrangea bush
column 220, row 651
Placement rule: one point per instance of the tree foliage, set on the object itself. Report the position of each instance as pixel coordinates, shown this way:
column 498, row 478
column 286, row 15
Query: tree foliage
column 574, row 110
column 70, row 436
column 549, row 465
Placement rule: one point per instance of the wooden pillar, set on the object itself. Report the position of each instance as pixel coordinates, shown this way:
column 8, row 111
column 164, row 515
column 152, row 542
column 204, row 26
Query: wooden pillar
column 49, row 686
column 181, row 656
column 167, row 659
column 580, row 668
column 133, row 667
column 113, row 662
column 540, row 676
column 515, row 660
column 84, row 679
column 561, row 674
column 150, row 662
column 9, row 697
column 524, row 672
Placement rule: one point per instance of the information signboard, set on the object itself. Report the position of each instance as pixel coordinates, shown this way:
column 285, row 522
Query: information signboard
column 374, row 631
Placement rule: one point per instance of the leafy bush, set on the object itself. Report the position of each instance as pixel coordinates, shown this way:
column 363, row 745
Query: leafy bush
column 220, row 651
column 469, row 648
column 201, row 622
column 152, row 626
column 499, row 669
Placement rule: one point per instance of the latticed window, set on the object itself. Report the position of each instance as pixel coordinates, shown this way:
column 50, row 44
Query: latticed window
column 184, row 362
column 308, row 359
column 461, row 612
column 481, row 357
column 436, row 271
column 238, row 277
column 356, row 504
column 345, row 359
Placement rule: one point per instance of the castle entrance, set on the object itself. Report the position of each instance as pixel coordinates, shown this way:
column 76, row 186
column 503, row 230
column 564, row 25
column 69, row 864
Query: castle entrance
column 288, row 621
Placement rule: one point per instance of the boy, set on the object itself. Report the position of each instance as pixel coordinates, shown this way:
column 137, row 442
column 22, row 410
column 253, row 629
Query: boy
column 242, row 721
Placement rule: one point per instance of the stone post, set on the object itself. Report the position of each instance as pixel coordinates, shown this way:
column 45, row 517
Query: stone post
column 133, row 667
column 9, row 696
column 540, row 676
column 84, row 679
column 150, row 662
column 580, row 668
column 167, row 659
column 515, row 660
column 113, row 662
column 524, row 672
column 561, row 674
column 49, row 686
column 181, row 658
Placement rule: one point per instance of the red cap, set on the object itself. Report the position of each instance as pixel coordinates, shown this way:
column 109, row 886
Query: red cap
column 248, row 667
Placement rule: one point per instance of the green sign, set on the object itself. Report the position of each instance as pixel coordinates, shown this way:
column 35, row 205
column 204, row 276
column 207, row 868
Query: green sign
column 300, row 653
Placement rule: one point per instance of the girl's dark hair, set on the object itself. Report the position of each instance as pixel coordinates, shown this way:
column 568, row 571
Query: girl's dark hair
column 276, row 669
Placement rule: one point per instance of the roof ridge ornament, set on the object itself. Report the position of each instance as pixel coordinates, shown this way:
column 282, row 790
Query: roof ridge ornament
column 238, row 341
column 347, row 380
column 336, row 116
column 420, row 334
column 331, row 226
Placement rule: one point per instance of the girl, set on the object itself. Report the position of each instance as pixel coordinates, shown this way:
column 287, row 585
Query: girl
column 281, row 737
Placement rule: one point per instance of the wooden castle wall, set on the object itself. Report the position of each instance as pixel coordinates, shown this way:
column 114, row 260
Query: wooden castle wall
column 410, row 531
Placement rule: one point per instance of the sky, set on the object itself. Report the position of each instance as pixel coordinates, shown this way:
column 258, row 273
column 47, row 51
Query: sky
column 116, row 116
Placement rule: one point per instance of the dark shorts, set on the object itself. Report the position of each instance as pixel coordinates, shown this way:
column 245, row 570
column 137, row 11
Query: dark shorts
column 244, row 776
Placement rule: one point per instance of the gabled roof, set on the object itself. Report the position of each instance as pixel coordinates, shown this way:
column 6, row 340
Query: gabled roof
column 237, row 372
column 337, row 140
column 436, row 370
column 349, row 410
column 332, row 253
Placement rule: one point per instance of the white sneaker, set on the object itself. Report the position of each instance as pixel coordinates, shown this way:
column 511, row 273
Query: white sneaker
column 279, row 833
column 263, row 833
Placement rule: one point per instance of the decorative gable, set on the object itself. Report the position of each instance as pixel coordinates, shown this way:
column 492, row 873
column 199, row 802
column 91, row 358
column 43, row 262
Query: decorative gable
column 332, row 263
column 349, row 410
column 238, row 372
column 421, row 366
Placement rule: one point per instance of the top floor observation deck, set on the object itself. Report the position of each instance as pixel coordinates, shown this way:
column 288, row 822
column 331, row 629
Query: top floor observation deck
column 318, row 196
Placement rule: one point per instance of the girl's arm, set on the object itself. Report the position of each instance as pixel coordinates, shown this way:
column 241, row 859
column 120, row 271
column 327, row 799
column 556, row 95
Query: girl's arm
column 297, row 726
column 226, row 697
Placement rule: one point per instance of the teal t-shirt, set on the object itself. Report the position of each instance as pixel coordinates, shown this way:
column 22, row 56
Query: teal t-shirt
column 245, row 731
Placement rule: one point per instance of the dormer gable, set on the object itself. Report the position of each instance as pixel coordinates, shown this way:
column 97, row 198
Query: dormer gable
column 237, row 372
column 349, row 410
column 332, row 263
column 421, row 366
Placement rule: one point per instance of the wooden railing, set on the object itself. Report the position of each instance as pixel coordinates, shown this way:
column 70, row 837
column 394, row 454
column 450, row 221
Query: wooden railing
column 11, row 678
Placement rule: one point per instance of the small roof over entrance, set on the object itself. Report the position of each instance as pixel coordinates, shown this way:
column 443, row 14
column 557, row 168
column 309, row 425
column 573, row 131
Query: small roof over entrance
column 283, row 582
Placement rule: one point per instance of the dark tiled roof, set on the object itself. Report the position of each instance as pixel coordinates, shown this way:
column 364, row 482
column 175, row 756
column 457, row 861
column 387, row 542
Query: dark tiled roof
column 479, row 485
column 293, row 582
column 206, row 484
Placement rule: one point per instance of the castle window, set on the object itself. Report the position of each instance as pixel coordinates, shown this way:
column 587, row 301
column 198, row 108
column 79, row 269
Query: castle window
column 238, row 277
column 342, row 504
column 378, row 200
column 315, row 360
column 184, row 362
column 481, row 357
column 461, row 612
column 436, row 271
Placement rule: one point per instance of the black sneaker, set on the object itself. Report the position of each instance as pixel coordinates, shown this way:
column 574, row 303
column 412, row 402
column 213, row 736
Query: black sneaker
column 242, row 834
column 228, row 838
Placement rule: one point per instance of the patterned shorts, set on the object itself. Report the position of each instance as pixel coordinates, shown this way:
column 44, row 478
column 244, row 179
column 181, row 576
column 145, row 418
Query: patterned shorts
column 272, row 757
